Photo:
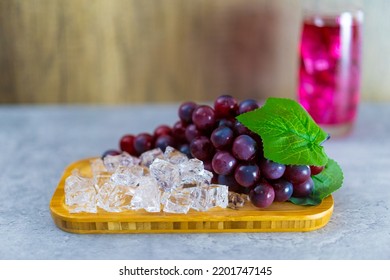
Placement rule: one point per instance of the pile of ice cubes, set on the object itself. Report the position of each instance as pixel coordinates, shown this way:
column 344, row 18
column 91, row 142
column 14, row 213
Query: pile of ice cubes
column 155, row 181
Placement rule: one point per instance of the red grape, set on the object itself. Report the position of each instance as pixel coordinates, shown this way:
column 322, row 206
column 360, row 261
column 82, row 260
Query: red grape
column 227, row 122
column 283, row 189
column 179, row 131
column 162, row 130
column 262, row 195
column 164, row 141
column 228, row 180
column 225, row 106
column 316, row 169
column 126, row 144
column 271, row 170
column 185, row 149
column 297, row 173
column 244, row 148
column 204, row 117
column 223, row 163
column 192, row 132
column 303, row 189
column 201, row 148
column 247, row 174
column 247, row 106
column 185, row 111
column 143, row 142
column 222, row 137
column 240, row 129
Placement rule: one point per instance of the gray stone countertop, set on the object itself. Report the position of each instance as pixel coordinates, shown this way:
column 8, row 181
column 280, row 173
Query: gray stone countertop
column 38, row 142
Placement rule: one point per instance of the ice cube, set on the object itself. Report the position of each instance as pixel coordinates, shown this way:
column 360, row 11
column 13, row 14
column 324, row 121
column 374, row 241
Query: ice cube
column 100, row 179
column 192, row 172
column 100, row 174
column 149, row 156
column 200, row 199
column 209, row 196
column 127, row 176
column 178, row 201
column 124, row 159
column 147, row 195
column 192, row 166
column 166, row 174
column 80, row 194
column 97, row 166
column 114, row 198
column 219, row 195
column 164, row 197
column 174, row 156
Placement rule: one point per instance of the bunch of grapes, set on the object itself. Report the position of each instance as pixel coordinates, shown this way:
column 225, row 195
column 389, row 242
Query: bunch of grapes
column 228, row 149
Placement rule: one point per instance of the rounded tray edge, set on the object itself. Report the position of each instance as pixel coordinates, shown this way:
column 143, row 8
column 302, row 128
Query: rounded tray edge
column 91, row 227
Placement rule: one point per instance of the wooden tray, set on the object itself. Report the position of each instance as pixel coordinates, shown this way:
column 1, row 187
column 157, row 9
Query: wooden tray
column 283, row 216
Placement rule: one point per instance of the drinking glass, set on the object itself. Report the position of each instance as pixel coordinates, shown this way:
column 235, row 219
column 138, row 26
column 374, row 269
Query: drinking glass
column 330, row 63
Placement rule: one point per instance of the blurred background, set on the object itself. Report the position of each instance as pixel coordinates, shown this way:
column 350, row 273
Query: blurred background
column 133, row 51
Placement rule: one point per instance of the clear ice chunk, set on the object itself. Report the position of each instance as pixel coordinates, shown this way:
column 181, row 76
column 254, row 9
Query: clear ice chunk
column 174, row 156
column 205, row 177
column 192, row 172
column 192, row 166
column 200, row 199
column 100, row 174
column 100, row 179
column 219, row 195
column 97, row 166
column 80, row 194
column 149, row 156
column 114, row 198
column 147, row 195
column 164, row 197
column 209, row 196
column 124, row 159
column 127, row 176
column 178, row 201
column 166, row 174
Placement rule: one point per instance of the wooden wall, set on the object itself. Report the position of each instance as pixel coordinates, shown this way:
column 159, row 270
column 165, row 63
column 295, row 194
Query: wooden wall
column 130, row 51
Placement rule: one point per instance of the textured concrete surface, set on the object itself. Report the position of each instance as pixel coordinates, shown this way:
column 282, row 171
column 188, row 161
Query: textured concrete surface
column 38, row 142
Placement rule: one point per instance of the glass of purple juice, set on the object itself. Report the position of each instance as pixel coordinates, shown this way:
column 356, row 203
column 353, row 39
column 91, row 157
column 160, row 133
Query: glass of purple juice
column 330, row 66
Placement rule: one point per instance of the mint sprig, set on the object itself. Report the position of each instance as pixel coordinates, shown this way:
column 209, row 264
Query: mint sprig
column 289, row 134
column 325, row 183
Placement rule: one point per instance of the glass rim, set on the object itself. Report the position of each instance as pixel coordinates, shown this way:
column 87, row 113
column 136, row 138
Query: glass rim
column 357, row 14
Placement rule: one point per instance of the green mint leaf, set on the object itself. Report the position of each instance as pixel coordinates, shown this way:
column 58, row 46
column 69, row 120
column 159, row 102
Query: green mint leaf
column 305, row 201
column 289, row 134
column 325, row 183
